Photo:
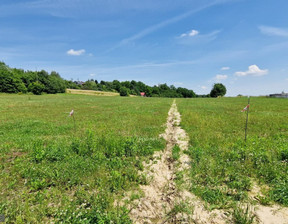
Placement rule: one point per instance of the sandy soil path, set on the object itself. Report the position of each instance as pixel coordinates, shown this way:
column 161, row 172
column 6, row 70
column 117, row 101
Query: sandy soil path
column 163, row 202
column 161, row 192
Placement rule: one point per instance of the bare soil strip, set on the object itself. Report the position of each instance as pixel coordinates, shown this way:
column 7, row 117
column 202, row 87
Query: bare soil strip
column 274, row 214
column 163, row 202
column 198, row 212
column 160, row 194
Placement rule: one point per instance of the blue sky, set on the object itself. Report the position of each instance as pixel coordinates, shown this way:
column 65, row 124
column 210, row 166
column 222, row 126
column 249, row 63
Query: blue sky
column 189, row 43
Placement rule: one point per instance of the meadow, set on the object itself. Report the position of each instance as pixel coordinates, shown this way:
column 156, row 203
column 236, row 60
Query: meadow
column 55, row 170
column 62, row 169
column 226, row 170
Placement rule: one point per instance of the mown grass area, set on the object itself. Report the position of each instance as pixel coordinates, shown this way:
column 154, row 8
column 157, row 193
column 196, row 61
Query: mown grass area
column 55, row 170
column 224, row 167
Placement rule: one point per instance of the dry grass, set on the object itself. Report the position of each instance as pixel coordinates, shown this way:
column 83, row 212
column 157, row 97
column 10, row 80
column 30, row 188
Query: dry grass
column 91, row 92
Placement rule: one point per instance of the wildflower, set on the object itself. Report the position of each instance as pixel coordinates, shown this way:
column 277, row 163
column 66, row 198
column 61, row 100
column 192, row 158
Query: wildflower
column 71, row 113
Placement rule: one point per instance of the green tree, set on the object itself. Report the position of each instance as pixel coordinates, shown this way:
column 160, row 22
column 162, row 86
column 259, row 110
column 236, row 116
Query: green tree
column 116, row 85
column 186, row 93
column 55, row 84
column 126, row 84
column 155, row 91
column 36, row 88
column 10, row 83
column 148, row 91
column 43, row 77
column 71, row 85
column 163, row 87
column 218, row 90
column 29, row 77
column 91, row 85
column 124, row 91
column 109, row 86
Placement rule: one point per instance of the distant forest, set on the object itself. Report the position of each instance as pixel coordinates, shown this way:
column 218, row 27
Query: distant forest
column 13, row 80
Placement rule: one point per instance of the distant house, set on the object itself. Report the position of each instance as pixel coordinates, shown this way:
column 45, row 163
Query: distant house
column 279, row 95
column 143, row 94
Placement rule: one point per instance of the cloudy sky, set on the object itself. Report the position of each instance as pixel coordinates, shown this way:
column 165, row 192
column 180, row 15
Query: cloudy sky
column 189, row 43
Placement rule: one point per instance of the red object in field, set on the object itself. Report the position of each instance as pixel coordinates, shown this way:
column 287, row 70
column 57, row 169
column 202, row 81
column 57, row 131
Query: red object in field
column 142, row 94
column 245, row 108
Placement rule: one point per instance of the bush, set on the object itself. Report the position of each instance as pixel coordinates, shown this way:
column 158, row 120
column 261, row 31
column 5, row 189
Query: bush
column 36, row 88
column 124, row 91
column 55, row 84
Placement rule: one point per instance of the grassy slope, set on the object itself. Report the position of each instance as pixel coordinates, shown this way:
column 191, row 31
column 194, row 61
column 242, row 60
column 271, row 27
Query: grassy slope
column 53, row 172
column 224, row 167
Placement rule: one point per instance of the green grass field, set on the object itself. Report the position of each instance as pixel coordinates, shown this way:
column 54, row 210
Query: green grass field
column 56, row 170
column 224, row 167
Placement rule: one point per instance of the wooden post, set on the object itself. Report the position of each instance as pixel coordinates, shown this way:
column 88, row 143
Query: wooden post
column 248, row 107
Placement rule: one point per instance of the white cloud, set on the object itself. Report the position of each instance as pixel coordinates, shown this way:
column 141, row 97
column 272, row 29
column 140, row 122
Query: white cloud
column 221, row 77
column 75, row 53
column 194, row 38
column 92, row 75
column 253, row 70
column 273, row 31
column 192, row 33
column 225, row 68
column 204, row 87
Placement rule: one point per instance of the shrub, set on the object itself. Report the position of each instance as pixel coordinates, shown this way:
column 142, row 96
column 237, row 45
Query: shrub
column 124, row 91
column 36, row 88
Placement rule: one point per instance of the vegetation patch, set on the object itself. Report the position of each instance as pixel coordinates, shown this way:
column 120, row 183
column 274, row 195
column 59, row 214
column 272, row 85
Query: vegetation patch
column 223, row 164
column 53, row 171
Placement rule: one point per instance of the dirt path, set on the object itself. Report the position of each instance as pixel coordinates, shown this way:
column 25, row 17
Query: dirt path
column 161, row 192
column 163, row 201
column 274, row 214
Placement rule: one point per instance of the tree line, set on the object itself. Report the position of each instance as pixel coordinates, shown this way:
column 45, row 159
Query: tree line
column 13, row 80
column 136, row 88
